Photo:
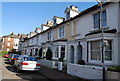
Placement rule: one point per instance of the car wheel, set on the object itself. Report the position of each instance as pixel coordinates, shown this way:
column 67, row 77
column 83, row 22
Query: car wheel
column 17, row 69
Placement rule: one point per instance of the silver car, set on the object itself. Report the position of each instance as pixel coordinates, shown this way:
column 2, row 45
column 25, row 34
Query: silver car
column 25, row 62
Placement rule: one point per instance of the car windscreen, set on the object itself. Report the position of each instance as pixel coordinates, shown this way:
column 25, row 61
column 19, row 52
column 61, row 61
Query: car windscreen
column 16, row 56
column 30, row 59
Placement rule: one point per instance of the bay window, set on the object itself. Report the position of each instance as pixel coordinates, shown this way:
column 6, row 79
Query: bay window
column 95, row 50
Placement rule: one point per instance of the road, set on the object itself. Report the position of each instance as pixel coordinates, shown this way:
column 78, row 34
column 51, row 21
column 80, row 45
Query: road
column 8, row 72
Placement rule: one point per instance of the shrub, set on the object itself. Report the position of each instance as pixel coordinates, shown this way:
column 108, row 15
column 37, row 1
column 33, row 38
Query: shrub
column 114, row 68
column 3, row 53
column 81, row 62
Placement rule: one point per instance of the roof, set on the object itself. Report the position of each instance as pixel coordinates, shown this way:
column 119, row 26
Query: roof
column 38, row 28
column 60, row 40
column 12, row 36
column 23, row 35
column 100, row 31
column 46, row 25
column 58, row 17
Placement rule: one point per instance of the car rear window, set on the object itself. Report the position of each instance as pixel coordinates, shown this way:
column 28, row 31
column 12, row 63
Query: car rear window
column 30, row 59
column 16, row 56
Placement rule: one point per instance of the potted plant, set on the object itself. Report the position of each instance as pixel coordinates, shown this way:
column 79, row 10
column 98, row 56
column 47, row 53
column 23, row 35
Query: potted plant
column 81, row 62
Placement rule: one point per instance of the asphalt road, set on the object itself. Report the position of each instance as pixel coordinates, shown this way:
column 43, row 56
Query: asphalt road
column 8, row 72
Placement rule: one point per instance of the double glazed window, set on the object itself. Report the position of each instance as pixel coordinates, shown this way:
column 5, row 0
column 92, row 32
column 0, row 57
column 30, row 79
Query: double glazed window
column 95, row 50
column 97, row 19
column 61, row 32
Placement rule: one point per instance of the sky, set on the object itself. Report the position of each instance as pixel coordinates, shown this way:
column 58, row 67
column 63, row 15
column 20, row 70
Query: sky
column 24, row 17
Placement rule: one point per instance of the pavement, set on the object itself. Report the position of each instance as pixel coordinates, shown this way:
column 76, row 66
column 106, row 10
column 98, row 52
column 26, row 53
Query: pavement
column 58, row 75
column 0, row 68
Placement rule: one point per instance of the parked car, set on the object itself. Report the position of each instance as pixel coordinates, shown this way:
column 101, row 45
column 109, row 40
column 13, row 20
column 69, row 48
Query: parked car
column 6, row 55
column 28, row 63
column 12, row 58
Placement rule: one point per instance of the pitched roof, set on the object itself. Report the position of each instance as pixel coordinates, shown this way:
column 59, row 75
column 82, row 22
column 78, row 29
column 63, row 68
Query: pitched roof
column 12, row 36
column 23, row 35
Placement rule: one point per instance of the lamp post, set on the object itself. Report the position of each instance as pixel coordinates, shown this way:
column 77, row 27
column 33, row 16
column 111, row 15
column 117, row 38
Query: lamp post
column 102, row 44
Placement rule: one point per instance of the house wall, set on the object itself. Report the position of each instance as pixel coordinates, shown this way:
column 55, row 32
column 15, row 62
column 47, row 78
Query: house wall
column 118, row 48
column 5, row 46
column 0, row 43
column 16, row 41
column 112, row 15
column 68, row 31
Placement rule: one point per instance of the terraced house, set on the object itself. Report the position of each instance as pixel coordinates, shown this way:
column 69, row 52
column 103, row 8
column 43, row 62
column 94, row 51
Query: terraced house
column 78, row 37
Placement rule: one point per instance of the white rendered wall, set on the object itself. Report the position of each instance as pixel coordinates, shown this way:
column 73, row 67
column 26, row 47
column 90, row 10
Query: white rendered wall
column 83, row 71
column 47, row 63
column 16, row 41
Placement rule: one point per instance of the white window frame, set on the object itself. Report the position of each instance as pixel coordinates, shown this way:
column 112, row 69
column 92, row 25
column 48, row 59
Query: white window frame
column 99, row 61
column 103, row 18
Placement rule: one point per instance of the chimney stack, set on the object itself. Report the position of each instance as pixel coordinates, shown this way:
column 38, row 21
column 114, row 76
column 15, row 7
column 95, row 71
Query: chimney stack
column 12, row 33
column 18, row 35
column 74, row 8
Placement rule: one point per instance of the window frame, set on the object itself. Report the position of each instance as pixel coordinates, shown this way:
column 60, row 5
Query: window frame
column 61, row 33
column 103, row 18
column 49, row 35
column 99, row 61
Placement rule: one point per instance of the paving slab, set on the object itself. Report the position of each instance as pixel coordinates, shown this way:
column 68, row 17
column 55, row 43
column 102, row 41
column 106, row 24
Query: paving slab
column 57, row 75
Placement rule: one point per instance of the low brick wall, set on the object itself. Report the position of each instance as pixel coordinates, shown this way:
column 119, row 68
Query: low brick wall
column 47, row 63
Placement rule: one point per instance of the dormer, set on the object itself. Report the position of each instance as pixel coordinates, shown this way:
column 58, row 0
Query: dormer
column 49, row 23
column 38, row 30
column 46, row 26
column 32, row 33
column 71, row 12
column 57, row 20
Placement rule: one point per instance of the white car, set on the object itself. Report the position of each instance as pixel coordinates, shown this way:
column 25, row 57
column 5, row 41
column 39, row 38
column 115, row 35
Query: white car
column 25, row 62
